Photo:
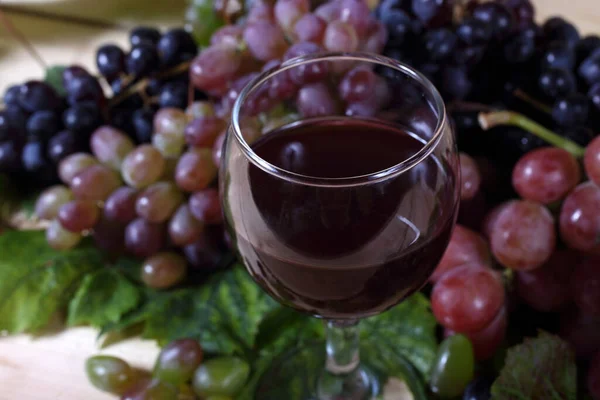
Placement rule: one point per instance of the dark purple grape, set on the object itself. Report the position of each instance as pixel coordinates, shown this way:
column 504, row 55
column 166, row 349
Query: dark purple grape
column 63, row 144
column 456, row 83
column 173, row 94
column 33, row 157
column 72, row 72
column 143, row 238
column 142, row 60
column 469, row 56
column 571, row 110
column 176, row 46
column 497, row 16
column 42, row 124
column 523, row 12
column 589, row 70
column 204, row 254
column 11, row 96
column 142, row 121
column 122, row 119
column 432, row 12
column 473, row 32
column 10, row 156
column 479, row 389
column 391, row 5
column 580, row 135
column 585, row 47
column 153, row 87
column 84, row 88
column 594, row 95
column 144, row 34
column 13, row 122
column 440, row 43
column 37, row 96
column 557, row 29
column 110, row 60
column 559, row 55
column 398, row 24
column 556, row 82
column 520, row 48
column 82, row 118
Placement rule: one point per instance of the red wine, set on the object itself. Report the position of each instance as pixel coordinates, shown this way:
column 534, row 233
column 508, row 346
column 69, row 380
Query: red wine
column 343, row 252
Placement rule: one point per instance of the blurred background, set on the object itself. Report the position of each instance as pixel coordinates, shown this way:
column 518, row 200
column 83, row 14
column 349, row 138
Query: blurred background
column 62, row 42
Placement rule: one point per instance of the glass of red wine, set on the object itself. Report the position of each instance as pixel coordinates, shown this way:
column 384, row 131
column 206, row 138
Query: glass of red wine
column 340, row 187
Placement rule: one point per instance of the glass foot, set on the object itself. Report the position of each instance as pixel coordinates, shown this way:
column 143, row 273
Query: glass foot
column 300, row 375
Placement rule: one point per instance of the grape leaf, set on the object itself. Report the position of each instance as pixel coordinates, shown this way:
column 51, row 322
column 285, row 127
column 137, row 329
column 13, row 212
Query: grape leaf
column 36, row 281
column 54, row 78
column 541, row 368
column 103, row 297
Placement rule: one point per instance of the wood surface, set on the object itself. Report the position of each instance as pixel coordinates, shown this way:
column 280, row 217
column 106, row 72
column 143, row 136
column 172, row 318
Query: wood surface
column 51, row 367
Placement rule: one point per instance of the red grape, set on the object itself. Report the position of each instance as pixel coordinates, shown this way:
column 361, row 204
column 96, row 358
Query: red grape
column 523, row 236
column 203, row 131
column 316, row 100
column 486, row 341
column 358, row 84
column 95, row 183
column 163, row 270
column 490, row 219
column 184, row 228
column 340, row 36
column 233, row 34
column 591, row 160
column 544, row 289
column 329, row 11
column 355, row 13
column 306, row 73
column 109, row 235
column 467, row 298
column 593, row 377
column 377, row 36
column 260, row 11
column 195, row 170
column 70, row 166
column 215, row 66
column 465, row 247
column 78, row 215
column 265, row 40
column 120, row 205
column 580, row 219
column 470, row 177
column 110, row 146
column 205, row 205
column 546, row 175
column 204, row 254
column 143, row 238
column 218, row 149
column 288, row 12
column 585, row 285
column 581, row 331
column 310, row 28
column 158, row 201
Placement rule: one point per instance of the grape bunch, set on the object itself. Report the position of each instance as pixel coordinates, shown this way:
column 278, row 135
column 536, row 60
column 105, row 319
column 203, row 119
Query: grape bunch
column 154, row 201
column 180, row 372
column 39, row 127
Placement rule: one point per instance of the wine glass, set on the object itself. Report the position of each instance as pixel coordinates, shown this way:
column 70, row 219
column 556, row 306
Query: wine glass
column 340, row 180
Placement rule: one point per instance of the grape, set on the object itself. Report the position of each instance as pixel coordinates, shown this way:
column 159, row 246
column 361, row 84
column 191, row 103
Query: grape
column 361, row 109
column 398, row 24
column 110, row 146
column 74, row 164
column 521, row 48
column 523, row 236
column 120, row 205
column 200, row 109
column 440, row 44
column 288, row 12
column 377, row 37
column 479, row 389
column 110, row 60
column 306, row 73
column 41, row 125
column 486, row 341
column 220, row 376
column 143, row 166
column 585, row 286
column 142, row 121
column 144, row 34
column 329, row 11
column 205, row 206
column 153, row 390
column 9, row 156
column 84, row 88
column 474, row 32
column 36, row 96
column 497, row 16
column 214, row 67
column 594, row 95
column 173, row 94
column 95, row 183
column 571, row 110
column 453, row 367
column 546, row 175
column 195, row 170
column 203, row 131
column 579, row 218
column 593, row 377
column 355, row 13
column 170, row 121
column 591, row 160
column 544, row 289
column 357, row 85
column 59, row 238
column 456, row 82
column 143, row 238
column 558, row 30
column 141, row 60
column 11, row 95
column 470, row 177
column 204, row 254
column 280, row 86
column 109, row 374
column 176, row 46
column 163, row 270
column 232, row 35
column 184, row 228
column 340, row 36
column 62, row 145
column 109, row 236
column 467, row 298
column 170, row 146
column 589, row 70
column 580, row 330
column 465, row 247
column 557, row 82
column 177, row 361
column 487, row 227
column 32, row 156
column 51, row 199
column 78, row 215
column 218, row 149
column 81, row 118
column 265, row 40
column 158, row 202
column 310, row 28
column 316, row 100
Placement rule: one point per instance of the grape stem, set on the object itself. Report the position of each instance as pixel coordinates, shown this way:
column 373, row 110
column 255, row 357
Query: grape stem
column 497, row 118
column 519, row 94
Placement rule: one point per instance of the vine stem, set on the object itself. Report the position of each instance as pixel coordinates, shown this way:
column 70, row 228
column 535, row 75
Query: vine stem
column 520, row 94
column 497, row 118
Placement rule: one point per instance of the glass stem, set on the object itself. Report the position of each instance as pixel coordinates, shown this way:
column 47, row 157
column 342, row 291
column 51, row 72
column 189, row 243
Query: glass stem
column 342, row 346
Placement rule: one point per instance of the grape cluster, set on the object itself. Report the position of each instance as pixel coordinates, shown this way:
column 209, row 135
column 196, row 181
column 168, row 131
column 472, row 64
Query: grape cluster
column 154, row 201
column 39, row 128
column 152, row 75
column 180, row 372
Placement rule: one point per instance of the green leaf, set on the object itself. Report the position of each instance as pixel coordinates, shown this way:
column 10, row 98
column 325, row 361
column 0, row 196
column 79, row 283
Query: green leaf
column 36, row 281
column 541, row 368
column 54, row 78
column 103, row 297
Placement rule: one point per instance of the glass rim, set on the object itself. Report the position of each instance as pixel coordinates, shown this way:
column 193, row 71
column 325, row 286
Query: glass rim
column 373, row 177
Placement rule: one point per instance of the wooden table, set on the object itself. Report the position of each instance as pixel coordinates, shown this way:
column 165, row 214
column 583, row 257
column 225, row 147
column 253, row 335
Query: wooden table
column 51, row 367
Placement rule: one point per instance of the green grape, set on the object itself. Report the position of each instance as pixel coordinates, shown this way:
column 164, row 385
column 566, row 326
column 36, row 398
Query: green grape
column 74, row 164
column 178, row 360
column 202, row 20
column 158, row 201
column 143, row 166
column 59, row 238
column 200, row 109
column 110, row 374
column 195, row 170
column 170, row 146
column 163, row 270
column 453, row 368
column 221, row 376
column 51, row 199
column 95, row 183
column 153, row 390
column 110, row 146
column 170, row 121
